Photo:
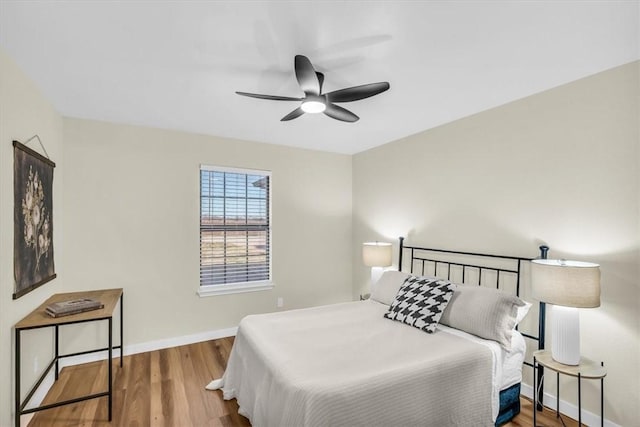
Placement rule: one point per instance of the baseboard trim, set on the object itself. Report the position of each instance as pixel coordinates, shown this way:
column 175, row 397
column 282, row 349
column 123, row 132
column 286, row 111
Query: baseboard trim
column 568, row 409
column 144, row 347
column 151, row 346
column 178, row 341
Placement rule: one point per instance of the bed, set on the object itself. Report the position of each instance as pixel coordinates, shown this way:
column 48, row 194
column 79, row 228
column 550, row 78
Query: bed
column 347, row 365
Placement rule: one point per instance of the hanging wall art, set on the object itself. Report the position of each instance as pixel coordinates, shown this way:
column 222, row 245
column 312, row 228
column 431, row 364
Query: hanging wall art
column 33, row 263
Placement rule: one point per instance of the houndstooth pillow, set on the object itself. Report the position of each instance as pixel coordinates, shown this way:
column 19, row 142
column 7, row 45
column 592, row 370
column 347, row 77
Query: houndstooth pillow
column 420, row 302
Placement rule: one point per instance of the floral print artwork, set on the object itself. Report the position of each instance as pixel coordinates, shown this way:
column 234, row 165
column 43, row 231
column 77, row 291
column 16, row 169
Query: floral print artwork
column 36, row 218
column 33, row 262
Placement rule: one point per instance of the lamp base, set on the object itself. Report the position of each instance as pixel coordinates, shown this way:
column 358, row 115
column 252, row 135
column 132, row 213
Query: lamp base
column 376, row 273
column 565, row 341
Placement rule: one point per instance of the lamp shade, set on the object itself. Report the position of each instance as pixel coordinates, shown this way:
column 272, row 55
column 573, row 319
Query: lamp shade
column 376, row 254
column 566, row 283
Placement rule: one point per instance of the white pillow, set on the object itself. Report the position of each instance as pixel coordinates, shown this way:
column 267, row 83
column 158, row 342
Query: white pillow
column 484, row 312
column 386, row 289
column 522, row 312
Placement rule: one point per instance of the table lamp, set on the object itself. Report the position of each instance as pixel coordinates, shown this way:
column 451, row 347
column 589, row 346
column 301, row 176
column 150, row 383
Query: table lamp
column 567, row 285
column 376, row 255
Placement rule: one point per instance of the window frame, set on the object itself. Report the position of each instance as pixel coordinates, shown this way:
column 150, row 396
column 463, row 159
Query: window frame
column 237, row 287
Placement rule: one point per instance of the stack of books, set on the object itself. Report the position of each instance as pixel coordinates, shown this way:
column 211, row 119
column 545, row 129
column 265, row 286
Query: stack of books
column 74, row 306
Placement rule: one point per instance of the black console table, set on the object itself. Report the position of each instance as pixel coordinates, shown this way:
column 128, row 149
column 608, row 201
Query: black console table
column 39, row 319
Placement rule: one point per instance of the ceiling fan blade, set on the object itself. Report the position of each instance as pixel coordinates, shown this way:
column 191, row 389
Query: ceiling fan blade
column 320, row 80
column 271, row 97
column 306, row 75
column 339, row 113
column 293, row 115
column 357, row 92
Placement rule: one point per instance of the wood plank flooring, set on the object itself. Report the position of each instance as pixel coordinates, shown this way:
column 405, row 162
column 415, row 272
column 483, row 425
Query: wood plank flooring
column 166, row 388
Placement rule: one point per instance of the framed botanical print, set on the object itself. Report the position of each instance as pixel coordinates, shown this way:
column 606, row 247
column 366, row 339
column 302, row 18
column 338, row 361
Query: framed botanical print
column 33, row 263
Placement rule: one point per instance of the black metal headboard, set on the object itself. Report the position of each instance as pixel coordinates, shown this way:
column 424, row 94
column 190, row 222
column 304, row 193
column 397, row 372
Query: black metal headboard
column 500, row 265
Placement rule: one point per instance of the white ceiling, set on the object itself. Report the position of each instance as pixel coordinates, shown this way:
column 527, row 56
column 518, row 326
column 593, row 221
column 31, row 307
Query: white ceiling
column 176, row 64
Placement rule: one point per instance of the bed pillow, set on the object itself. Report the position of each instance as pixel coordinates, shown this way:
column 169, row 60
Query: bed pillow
column 484, row 312
column 420, row 302
column 387, row 287
column 522, row 312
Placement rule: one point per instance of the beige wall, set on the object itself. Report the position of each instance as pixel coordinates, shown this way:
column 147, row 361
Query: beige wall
column 132, row 202
column 24, row 113
column 560, row 167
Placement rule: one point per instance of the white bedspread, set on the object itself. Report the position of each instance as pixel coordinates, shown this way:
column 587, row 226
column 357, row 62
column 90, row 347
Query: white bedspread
column 346, row 365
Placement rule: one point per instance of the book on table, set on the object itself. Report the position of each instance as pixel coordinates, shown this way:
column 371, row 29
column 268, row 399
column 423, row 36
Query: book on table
column 74, row 306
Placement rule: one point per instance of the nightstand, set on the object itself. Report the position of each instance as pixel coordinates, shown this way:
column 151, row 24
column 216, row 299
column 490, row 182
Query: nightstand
column 586, row 369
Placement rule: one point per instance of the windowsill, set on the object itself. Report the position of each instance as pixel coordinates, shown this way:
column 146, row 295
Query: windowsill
column 235, row 288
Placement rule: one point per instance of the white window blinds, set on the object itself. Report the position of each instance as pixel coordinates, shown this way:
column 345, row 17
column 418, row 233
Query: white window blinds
column 234, row 226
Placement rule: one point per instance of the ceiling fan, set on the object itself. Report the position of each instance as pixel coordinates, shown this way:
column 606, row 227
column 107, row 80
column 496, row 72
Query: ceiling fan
column 315, row 101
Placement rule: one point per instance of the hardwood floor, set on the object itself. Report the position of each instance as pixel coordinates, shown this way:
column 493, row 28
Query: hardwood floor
column 546, row 418
column 166, row 388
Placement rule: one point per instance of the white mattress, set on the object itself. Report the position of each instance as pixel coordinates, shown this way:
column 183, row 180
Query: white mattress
column 508, row 364
column 512, row 361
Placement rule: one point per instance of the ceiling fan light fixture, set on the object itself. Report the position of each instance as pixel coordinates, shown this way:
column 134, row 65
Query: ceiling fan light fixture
column 314, row 104
column 313, row 107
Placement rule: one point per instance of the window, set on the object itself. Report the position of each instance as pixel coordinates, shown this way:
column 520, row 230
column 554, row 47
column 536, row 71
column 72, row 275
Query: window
column 235, row 230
